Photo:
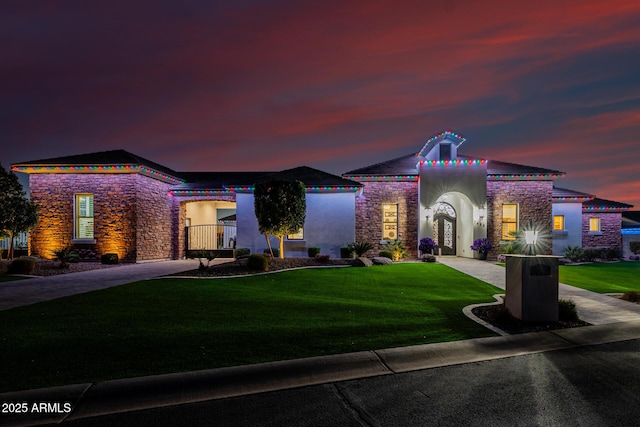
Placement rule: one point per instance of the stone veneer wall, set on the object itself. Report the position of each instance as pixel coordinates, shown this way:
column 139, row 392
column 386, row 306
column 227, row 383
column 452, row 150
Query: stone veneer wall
column 534, row 204
column 179, row 217
column 369, row 213
column 114, row 214
column 610, row 230
column 154, row 222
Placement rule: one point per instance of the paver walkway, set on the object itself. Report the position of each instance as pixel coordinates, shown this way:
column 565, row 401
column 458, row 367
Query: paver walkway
column 592, row 307
column 38, row 289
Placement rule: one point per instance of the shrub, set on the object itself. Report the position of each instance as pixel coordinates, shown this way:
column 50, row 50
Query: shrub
column 428, row 258
column 241, row 252
column 323, row 258
column 386, row 254
column 346, row 252
column 631, row 296
column 397, row 249
column 276, row 252
column 635, row 247
column 427, row 245
column 634, row 257
column 65, row 256
column 361, row 248
column 313, row 251
column 567, row 310
column 611, row 253
column 573, row 253
column 109, row 259
column 257, row 262
column 4, row 267
column 22, row 266
column 482, row 245
column 590, row 254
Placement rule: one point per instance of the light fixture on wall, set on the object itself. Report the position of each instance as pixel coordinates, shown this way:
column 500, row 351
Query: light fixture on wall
column 429, row 213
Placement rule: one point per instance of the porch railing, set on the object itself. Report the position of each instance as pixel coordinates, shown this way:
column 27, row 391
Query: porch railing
column 210, row 237
column 20, row 242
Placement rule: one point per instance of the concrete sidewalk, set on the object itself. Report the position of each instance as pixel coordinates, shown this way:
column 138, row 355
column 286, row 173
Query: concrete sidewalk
column 593, row 308
column 38, row 289
column 613, row 321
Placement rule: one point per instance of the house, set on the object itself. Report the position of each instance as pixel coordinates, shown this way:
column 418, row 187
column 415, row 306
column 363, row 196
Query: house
column 117, row 202
column 630, row 232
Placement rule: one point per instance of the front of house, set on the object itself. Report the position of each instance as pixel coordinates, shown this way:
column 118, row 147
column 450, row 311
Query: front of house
column 117, row 202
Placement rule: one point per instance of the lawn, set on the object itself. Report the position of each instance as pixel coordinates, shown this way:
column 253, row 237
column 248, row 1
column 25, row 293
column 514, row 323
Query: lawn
column 173, row 325
column 603, row 277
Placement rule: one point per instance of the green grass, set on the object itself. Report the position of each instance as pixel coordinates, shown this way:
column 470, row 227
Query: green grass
column 173, row 325
column 603, row 277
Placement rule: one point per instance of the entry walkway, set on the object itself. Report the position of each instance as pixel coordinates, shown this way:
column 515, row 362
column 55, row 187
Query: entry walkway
column 592, row 307
column 37, row 289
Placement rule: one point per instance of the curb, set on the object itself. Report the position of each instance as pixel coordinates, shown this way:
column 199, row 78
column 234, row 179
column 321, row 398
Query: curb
column 118, row 396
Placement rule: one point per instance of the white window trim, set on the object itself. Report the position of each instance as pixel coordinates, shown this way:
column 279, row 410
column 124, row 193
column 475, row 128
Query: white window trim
column 75, row 221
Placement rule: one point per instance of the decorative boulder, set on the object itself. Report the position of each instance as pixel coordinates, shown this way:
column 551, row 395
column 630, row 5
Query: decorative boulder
column 381, row 260
column 362, row 262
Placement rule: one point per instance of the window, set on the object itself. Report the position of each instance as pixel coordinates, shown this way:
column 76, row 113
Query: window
column 296, row 236
column 389, row 221
column 84, row 216
column 594, row 225
column 509, row 221
column 445, row 151
column 558, row 223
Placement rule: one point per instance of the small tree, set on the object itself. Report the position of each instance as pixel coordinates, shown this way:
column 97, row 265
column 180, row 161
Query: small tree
column 280, row 209
column 17, row 212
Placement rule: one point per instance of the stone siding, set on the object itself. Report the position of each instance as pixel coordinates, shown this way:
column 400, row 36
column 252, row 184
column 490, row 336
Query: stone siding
column 154, row 222
column 114, row 214
column 610, row 234
column 534, row 204
column 369, row 213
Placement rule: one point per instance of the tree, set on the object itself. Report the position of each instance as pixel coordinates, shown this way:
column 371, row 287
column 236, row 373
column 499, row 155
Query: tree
column 17, row 212
column 280, row 209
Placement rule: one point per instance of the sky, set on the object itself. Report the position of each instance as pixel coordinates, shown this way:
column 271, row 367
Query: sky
column 336, row 85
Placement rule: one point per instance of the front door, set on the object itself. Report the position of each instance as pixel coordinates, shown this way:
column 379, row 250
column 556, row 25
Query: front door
column 444, row 228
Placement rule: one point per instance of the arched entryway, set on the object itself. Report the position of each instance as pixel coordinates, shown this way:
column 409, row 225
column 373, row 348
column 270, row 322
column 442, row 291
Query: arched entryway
column 444, row 227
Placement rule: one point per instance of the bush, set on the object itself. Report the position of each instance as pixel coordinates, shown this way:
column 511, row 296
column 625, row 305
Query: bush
column 4, row 267
column 610, row 254
column 109, row 259
column 428, row 258
column 397, row 250
column 427, row 245
column 22, row 266
column 257, row 262
column 386, row 254
column 65, row 256
column 635, row 247
column 241, row 252
column 346, row 252
column 276, row 252
column 361, row 248
column 567, row 311
column 323, row 258
column 590, row 254
column 573, row 253
column 313, row 251
column 634, row 257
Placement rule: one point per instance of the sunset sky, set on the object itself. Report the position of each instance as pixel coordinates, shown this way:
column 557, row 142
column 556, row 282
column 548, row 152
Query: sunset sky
column 335, row 85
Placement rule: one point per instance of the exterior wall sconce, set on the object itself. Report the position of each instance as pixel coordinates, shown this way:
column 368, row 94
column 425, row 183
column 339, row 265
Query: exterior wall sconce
column 429, row 213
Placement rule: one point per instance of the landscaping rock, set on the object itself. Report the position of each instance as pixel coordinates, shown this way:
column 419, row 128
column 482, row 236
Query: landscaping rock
column 381, row 260
column 362, row 262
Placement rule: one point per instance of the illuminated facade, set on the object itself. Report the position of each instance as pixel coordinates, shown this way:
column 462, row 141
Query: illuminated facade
column 117, row 202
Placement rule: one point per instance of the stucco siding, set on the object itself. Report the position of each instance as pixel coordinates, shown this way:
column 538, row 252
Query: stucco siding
column 572, row 233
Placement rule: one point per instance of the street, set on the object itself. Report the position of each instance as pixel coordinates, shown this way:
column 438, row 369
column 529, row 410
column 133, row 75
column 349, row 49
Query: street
column 587, row 386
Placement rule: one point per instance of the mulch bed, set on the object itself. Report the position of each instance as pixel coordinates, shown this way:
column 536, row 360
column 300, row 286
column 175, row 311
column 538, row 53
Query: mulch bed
column 497, row 316
column 239, row 266
column 52, row 268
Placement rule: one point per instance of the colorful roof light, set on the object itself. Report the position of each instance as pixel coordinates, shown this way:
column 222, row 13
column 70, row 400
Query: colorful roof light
column 382, row 177
column 457, row 162
column 128, row 168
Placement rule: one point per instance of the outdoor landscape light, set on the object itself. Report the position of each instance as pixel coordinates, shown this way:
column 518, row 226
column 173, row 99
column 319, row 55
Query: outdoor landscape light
column 531, row 237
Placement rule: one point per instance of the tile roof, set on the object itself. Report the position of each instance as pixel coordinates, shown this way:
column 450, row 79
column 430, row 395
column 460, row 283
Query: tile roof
column 566, row 193
column 113, row 157
column 407, row 165
column 603, row 204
